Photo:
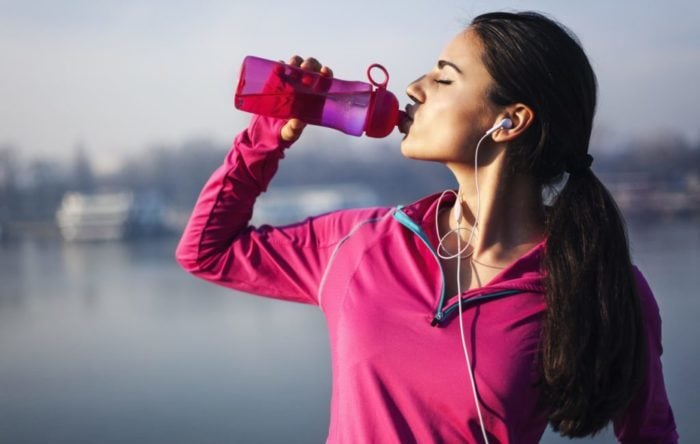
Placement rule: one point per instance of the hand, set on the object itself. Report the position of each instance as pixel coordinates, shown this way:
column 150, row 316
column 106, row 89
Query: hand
column 294, row 127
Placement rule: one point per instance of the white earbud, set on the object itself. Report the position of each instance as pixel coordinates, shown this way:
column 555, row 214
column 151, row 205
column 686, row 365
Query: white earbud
column 503, row 124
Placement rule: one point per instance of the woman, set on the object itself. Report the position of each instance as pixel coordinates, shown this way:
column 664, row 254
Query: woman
column 479, row 315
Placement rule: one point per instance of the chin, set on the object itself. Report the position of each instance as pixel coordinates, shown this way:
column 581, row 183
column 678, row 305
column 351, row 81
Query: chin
column 409, row 151
column 416, row 152
column 413, row 155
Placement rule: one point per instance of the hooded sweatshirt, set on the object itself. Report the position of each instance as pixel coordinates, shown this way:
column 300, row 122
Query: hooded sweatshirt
column 399, row 372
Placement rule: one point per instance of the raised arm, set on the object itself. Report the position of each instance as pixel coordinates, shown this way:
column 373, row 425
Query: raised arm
column 220, row 246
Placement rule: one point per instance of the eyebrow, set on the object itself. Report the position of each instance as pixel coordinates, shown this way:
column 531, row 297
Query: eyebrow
column 442, row 63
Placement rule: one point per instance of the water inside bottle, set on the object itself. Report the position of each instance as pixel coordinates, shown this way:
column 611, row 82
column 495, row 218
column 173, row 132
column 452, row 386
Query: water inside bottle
column 286, row 92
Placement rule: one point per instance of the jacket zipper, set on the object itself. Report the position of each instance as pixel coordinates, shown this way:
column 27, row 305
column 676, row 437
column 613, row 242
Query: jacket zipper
column 441, row 315
column 407, row 222
column 467, row 302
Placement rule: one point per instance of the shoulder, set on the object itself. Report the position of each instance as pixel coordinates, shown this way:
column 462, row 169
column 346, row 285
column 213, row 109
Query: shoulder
column 418, row 209
column 337, row 225
column 649, row 306
column 644, row 291
column 332, row 227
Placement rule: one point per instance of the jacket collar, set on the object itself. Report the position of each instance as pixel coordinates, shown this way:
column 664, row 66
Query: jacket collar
column 525, row 273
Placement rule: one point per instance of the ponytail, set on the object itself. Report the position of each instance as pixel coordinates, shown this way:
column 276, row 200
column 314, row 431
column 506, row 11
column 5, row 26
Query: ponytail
column 593, row 344
column 593, row 348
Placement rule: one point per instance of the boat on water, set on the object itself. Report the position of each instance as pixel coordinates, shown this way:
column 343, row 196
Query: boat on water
column 108, row 216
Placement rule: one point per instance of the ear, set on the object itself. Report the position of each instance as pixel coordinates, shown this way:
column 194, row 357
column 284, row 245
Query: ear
column 522, row 117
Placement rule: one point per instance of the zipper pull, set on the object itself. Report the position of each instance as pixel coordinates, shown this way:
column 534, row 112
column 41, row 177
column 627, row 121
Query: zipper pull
column 437, row 320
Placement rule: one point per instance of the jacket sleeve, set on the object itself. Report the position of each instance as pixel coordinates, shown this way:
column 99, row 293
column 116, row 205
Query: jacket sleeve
column 649, row 417
column 218, row 245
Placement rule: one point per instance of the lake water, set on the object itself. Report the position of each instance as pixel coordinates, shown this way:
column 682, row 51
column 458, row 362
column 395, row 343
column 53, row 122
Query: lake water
column 113, row 343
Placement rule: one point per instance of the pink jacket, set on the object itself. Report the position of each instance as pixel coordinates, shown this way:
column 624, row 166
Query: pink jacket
column 399, row 373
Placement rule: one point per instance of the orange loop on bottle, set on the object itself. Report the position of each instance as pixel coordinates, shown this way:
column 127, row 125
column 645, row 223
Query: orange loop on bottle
column 384, row 71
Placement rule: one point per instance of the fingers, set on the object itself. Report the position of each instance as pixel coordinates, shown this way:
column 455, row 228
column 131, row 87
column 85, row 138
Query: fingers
column 310, row 64
column 295, row 60
column 292, row 130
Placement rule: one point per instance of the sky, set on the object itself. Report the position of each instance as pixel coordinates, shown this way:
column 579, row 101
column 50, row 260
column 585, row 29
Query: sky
column 118, row 77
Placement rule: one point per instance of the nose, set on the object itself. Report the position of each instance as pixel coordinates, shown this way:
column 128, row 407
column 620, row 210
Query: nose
column 415, row 90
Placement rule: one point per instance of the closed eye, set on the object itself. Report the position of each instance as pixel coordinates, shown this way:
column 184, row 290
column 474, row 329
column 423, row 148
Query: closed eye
column 443, row 82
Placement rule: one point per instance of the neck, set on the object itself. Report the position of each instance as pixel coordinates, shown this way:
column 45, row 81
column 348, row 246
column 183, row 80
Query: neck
column 508, row 207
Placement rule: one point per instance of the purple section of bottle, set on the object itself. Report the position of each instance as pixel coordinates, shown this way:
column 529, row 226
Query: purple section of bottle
column 346, row 107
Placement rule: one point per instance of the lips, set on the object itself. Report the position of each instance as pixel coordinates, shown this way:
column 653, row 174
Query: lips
column 406, row 119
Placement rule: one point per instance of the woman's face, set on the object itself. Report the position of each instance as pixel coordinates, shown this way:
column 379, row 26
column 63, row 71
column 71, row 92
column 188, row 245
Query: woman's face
column 451, row 111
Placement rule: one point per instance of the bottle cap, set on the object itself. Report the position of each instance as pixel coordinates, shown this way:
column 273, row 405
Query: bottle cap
column 383, row 113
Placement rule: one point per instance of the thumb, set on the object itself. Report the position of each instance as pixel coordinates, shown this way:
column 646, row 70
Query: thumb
column 292, row 130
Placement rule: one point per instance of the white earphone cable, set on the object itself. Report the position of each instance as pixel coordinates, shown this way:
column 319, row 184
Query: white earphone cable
column 459, row 255
column 466, row 353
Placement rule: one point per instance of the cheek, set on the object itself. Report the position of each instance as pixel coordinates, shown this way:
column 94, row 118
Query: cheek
column 454, row 121
column 444, row 131
column 450, row 132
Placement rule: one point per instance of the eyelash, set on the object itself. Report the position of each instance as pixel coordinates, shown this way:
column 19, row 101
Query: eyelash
column 442, row 82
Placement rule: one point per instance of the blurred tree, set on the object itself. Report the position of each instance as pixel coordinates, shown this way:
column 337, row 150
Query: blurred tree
column 46, row 184
column 9, row 194
column 82, row 179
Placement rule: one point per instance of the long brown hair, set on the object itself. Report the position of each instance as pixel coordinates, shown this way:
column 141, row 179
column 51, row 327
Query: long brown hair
column 592, row 344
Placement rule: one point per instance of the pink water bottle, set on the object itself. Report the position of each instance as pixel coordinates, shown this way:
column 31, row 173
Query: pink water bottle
column 279, row 90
